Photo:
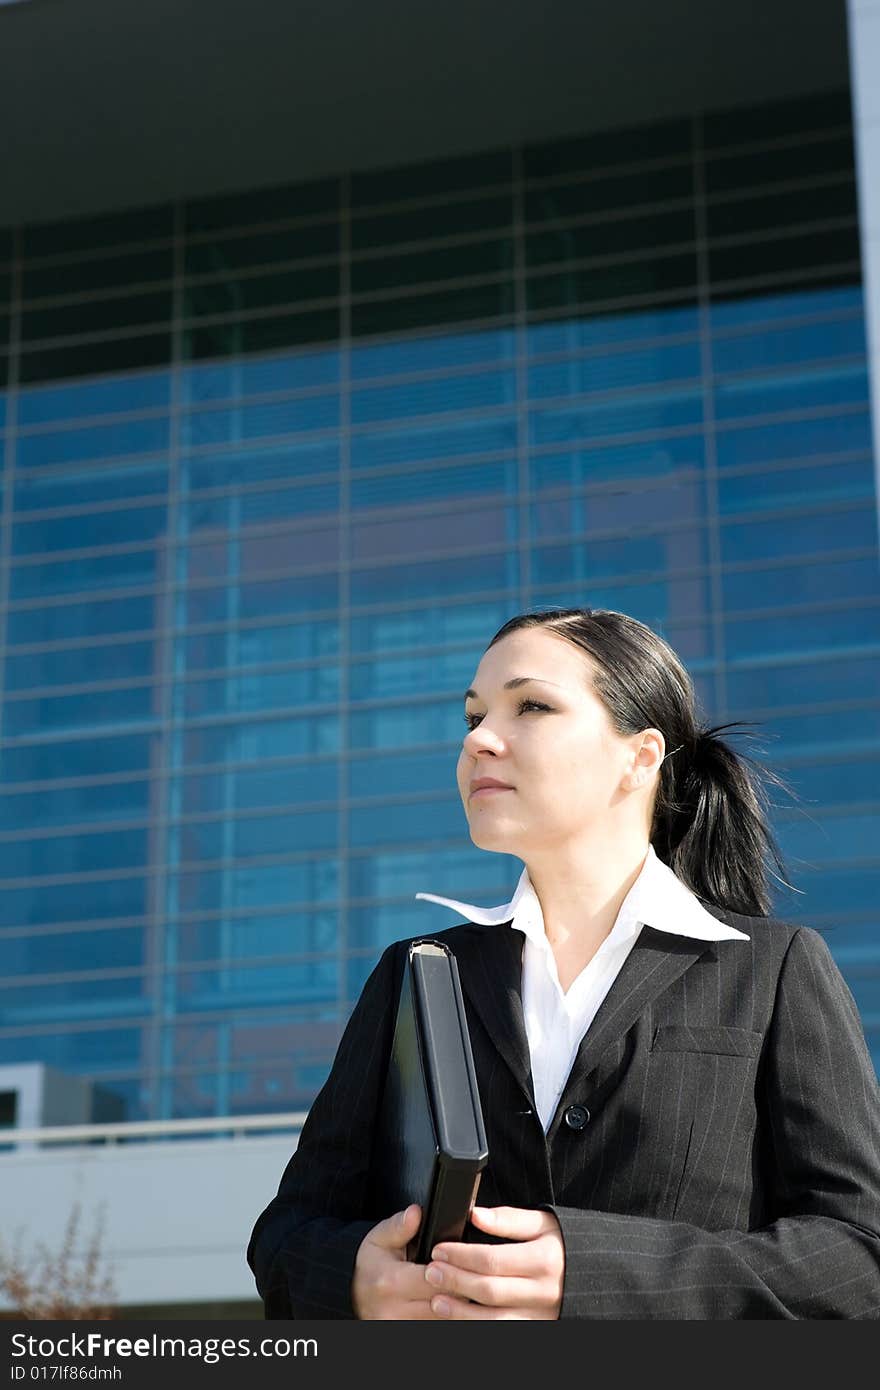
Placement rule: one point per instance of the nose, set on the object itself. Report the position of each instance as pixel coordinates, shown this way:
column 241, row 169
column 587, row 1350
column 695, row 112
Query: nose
column 481, row 739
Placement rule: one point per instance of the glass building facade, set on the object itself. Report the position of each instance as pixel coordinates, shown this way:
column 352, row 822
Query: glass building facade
column 276, row 466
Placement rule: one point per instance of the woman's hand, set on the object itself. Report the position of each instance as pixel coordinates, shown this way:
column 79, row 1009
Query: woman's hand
column 385, row 1284
column 521, row 1280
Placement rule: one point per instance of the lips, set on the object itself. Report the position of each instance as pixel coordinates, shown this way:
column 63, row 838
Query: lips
column 489, row 784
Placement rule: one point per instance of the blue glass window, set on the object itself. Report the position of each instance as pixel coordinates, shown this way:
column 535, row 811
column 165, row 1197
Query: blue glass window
column 249, row 985
column 52, row 953
column 803, row 633
column 417, row 772
column 390, row 676
column 253, row 646
column 435, row 441
column 369, row 360
column 623, row 556
column 129, row 569
column 431, row 577
column 828, row 733
column 805, row 682
column 832, row 891
column 73, row 713
column 832, row 435
column 268, row 690
column 115, row 395
column 850, row 781
column 243, row 789
column 570, row 334
column 805, row 390
column 253, row 837
column 677, row 454
column 73, row 854
column 94, row 1048
column 232, row 425
column 289, row 371
column 286, row 461
column 78, row 487
column 267, row 738
column 83, row 531
column 89, row 900
column 818, row 582
column 607, row 371
column 397, row 726
column 802, row 838
column 633, row 415
column 425, row 484
column 847, row 526
column 97, row 618
column 792, row 487
column 90, row 757
column 80, row 665
column 93, row 442
column 73, row 1000
column 435, row 623
column 236, row 511
column 417, row 821
column 265, row 598
column 104, row 801
column 771, row 347
column 622, row 508
column 254, row 936
column 255, row 885
column 419, row 533
column 461, row 873
column 760, row 308
column 481, row 390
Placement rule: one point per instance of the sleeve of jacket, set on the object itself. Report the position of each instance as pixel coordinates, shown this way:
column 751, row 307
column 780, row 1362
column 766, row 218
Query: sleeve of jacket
column 819, row 1254
column 303, row 1247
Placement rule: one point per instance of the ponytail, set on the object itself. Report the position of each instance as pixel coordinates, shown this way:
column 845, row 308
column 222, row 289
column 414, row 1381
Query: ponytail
column 711, row 823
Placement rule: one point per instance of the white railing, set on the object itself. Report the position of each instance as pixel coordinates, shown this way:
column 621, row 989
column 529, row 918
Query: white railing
column 236, row 1125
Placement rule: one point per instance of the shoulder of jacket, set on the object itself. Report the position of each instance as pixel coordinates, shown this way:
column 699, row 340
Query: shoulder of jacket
column 773, row 931
column 460, row 932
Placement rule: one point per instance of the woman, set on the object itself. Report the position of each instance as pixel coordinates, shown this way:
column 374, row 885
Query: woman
column 682, row 1115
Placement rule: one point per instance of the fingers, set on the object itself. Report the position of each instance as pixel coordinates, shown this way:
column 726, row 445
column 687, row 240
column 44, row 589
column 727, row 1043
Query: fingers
column 522, row 1259
column 511, row 1261
column 395, row 1232
column 517, row 1223
column 416, row 1311
column 384, row 1283
column 403, row 1281
column 494, row 1291
column 457, row 1309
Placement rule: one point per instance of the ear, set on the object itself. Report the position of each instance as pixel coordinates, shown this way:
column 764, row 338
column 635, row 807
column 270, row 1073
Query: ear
column 646, row 754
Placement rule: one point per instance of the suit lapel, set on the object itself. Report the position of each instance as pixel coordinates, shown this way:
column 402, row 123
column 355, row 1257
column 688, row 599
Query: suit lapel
column 654, row 963
column 490, row 969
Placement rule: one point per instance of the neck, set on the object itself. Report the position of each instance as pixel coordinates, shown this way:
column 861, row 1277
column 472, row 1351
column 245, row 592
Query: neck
column 581, row 887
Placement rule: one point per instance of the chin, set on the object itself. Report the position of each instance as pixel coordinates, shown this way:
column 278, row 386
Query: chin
column 491, row 837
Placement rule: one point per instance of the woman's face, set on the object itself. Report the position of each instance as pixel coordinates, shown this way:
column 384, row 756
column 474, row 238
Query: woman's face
column 550, row 741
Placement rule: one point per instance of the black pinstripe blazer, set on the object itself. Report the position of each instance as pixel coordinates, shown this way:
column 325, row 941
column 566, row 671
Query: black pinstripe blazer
column 730, row 1167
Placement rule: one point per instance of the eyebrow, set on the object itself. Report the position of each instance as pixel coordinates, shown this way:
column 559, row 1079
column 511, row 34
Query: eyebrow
column 511, row 685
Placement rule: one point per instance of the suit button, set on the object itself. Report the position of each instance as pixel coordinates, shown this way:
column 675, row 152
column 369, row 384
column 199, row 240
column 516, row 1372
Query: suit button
column 577, row 1117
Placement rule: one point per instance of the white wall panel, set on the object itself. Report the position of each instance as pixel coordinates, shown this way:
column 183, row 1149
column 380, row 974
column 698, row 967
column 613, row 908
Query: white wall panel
column 176, row 1216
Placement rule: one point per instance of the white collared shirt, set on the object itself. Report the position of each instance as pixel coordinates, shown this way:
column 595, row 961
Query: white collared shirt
column 555, row 1020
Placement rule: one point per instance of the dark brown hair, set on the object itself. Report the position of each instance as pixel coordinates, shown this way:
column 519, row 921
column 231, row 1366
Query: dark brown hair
column 710, row 813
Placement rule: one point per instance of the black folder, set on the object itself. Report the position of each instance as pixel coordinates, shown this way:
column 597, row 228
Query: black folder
column 432, row 1143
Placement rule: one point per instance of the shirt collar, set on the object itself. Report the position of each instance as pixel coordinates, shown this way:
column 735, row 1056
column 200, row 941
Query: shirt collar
column 657, row 899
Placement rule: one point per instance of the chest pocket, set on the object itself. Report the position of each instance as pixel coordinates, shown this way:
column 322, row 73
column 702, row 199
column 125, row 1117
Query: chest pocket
column 722, row 1042
column 703, row 1122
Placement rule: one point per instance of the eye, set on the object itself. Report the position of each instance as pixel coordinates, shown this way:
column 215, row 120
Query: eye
column 472, row 720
